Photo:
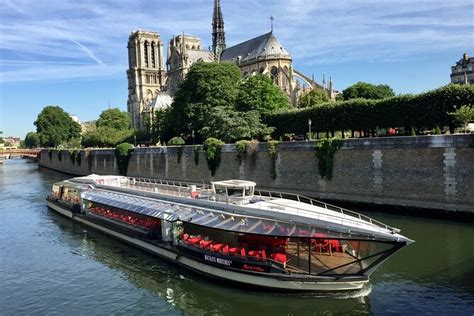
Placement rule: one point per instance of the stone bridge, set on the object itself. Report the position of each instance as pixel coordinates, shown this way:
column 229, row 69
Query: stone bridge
column 26, row 153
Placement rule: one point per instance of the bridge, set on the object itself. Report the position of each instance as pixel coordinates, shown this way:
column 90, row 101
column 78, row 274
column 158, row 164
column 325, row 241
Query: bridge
column 24, row 153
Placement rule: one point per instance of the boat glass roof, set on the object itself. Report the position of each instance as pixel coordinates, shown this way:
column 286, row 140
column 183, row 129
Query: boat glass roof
column 206, row 217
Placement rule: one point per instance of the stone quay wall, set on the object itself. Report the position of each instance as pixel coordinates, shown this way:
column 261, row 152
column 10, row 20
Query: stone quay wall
column 432, row 172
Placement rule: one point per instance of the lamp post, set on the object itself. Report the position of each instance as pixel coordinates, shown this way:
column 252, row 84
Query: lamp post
column 135, row 140
column 309, row 127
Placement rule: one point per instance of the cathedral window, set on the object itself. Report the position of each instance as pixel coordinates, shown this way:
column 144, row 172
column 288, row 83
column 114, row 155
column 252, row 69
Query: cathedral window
column 145, row 53
column 153, row 61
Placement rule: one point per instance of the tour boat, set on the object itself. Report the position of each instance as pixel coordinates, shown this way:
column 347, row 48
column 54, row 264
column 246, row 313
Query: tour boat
column 230, row 231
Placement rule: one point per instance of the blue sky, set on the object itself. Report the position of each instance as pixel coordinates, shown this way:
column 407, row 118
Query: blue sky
column 73, row 53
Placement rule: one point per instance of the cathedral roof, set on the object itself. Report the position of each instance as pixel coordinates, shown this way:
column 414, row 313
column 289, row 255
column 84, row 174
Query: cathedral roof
column 162, row 101
column 200, row 55
column 261, row 46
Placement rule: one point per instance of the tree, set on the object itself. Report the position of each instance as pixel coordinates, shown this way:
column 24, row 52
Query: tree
column 31, row 140
column 313, row 98
column 206, row 86
column 464, row 115
column 54, row 127
column 113, row 127
column 115, row 118
column 259, row 93
column 105, row 136
column 230, row 125
column 366, row 90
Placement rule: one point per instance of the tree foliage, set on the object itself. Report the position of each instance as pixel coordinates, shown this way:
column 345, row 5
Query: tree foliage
column 105, row 137
column 123, row 153
column 426, row 110
column 464, row 115
column 366, row 90
column 229, row 125
column 313, row 98
column 207, row 85
column 31, row 140
column 259, row 93
column 114, row 118
column 212, row 149
column 55, row 127
column 113, row 127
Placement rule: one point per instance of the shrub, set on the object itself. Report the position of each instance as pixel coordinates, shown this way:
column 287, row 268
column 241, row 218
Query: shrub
column 212, row 149
column 72, row 156
column 177, row 141
column 241, row 147
column 272, row 152
column 122, row 154
column 78, row 157
column 196, row 154
column 425, row 110
column 325, row 149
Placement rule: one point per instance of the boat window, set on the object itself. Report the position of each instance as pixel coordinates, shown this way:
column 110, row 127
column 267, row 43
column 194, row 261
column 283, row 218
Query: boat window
column 221, row 190
column 235, row 192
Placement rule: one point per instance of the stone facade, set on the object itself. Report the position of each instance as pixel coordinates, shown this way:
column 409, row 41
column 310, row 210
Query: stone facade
column 183, row 52
column 432, row 172
column 146, row 75
column 463, row 71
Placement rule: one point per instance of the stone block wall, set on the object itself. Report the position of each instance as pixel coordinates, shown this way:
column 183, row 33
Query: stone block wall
column 434, row 172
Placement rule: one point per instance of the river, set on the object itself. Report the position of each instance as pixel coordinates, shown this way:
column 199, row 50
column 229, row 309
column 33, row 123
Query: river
column 50, row 265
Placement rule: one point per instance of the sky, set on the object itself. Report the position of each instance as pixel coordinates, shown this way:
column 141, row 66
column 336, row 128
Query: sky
column 73, row 53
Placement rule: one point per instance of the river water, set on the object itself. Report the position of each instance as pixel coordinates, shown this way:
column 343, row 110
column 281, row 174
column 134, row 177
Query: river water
column 50, row 265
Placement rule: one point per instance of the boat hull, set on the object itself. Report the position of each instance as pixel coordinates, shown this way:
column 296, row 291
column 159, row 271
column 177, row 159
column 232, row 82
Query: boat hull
column 254, row 279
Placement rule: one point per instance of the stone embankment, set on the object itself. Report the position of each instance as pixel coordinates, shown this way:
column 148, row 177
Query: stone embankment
column 432, row 172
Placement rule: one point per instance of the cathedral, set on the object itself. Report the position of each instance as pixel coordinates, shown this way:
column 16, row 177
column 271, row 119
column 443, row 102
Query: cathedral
column 151, row 86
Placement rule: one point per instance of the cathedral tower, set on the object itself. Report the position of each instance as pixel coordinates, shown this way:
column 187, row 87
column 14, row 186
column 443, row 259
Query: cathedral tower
column 146, row 76
column 218, row 34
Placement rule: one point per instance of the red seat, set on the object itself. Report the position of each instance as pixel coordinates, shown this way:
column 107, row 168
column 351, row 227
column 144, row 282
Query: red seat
column 205, row 243
column 253, row 253
column 243, row 252
column 185, row 237
column 234, row 250
column 263, row 254
column 225, row 250
column 194, row 240
column 280, row 257
column 217, row 247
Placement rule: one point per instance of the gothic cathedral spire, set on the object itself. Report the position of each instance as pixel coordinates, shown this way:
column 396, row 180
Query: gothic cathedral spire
column 218, row 34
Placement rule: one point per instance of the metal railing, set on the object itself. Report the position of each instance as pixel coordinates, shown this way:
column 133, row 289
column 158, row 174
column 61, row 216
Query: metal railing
column 181, row 189
column 327, row 206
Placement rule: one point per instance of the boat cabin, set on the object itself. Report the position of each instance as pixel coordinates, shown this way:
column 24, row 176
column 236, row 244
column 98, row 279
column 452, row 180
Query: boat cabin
column 238, row 189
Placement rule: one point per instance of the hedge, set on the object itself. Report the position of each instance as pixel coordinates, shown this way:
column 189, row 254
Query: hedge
column 425, row 110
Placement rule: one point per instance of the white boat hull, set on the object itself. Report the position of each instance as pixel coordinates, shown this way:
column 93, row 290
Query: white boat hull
column 251, row 279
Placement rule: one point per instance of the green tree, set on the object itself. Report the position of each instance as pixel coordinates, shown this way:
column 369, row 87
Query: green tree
column 54, row 127
column 259, row 93
column 464, row 115
column 230, row 125
column 31, row 140
column 115, row 118
column 206, row 86
column 105, row 136
column 113, row 127
column 313, row 98
column 366, row 90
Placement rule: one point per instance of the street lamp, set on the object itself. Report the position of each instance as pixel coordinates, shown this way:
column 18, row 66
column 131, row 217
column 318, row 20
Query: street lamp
column 309, row 127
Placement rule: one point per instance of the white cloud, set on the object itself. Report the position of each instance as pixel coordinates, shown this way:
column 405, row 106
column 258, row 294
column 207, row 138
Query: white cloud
column 86, row 38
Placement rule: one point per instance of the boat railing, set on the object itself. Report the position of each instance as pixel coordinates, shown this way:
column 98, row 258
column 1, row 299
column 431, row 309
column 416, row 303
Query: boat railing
column 327, row 206
column 181, row 189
